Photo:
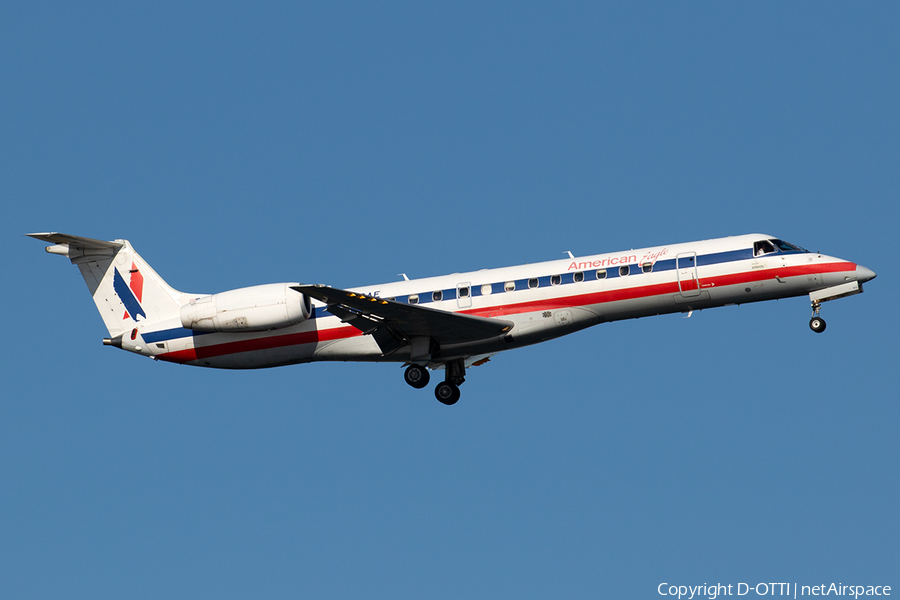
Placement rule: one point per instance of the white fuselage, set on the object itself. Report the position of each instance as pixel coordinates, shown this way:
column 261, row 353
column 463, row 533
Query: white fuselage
column 542, row 300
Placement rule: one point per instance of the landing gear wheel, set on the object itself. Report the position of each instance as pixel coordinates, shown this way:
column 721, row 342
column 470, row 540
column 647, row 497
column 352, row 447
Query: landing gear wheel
column 817, row 324
column 446, row 393
column 417, row 376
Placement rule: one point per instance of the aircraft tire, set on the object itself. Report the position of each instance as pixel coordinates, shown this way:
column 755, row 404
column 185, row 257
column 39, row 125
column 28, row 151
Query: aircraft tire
column 817, row 324
column 416, row 376
column 446, row 393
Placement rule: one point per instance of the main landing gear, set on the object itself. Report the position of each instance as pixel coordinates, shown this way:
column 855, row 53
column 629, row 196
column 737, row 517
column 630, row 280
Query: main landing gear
column 817, row 323
column 417, row 376
column 447, row 391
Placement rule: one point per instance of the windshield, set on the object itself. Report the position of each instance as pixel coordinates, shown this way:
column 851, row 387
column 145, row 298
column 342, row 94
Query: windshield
column 787, row 248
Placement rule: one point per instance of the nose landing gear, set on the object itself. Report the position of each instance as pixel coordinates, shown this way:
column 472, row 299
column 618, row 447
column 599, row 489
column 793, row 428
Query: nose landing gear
column 817, row 323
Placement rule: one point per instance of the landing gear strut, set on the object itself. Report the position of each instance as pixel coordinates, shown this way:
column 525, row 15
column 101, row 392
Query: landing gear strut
column 447, row 392
column 817, row 323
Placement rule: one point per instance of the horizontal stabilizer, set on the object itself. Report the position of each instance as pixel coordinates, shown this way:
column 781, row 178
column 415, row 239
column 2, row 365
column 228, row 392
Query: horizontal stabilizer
column 74, row 240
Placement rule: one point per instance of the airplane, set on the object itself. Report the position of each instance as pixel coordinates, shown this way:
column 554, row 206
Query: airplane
column 448, row 323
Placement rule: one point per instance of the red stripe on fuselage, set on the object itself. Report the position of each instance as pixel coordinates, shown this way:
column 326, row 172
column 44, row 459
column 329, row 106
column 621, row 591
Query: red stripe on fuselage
column 265, row 343
column 658, row 289
column 632, row 293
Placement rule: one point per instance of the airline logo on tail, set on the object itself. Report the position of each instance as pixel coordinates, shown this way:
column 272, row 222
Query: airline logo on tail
column 130, row 294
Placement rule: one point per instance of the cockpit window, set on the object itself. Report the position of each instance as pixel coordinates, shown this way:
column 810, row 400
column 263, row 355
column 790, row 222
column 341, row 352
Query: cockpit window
column 785, row 247
column 762, row 248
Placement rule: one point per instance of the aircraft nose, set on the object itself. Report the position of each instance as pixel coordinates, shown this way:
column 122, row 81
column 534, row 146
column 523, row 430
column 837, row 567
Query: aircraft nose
column 863, row 274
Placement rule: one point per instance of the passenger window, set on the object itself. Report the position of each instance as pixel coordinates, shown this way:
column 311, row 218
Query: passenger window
column 413, row 298
column 623, row 271
column 533, row 282
column 555, row 279
column 437, row 296
column 486, row 289
column 510, row 286
column 464, row 292
column 647, row 267
column 579, row 276
column 601, row 274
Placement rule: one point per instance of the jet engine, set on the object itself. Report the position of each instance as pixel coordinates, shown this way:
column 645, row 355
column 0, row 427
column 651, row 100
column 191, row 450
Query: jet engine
column 257, row 308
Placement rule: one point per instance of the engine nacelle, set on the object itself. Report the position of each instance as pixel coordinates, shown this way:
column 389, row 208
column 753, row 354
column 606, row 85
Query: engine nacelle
column 256, row 308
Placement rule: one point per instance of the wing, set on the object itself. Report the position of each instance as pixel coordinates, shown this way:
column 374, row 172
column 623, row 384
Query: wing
column 394, row 324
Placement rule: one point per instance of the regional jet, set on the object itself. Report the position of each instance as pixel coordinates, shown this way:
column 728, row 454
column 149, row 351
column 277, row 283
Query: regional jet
column 447, row 323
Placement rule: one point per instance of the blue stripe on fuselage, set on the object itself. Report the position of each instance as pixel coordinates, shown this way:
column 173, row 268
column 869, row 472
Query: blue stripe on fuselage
column 499, row 287
column 611, row 272
column 164, row 335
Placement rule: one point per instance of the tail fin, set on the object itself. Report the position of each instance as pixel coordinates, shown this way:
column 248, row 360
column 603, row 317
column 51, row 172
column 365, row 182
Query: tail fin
column 125, row 288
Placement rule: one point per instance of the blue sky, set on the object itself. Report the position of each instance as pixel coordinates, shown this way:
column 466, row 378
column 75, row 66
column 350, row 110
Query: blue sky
column 242, row 144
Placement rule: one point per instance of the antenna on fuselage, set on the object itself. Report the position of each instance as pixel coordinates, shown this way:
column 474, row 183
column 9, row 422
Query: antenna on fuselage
column 403, row 275
column 569, row 252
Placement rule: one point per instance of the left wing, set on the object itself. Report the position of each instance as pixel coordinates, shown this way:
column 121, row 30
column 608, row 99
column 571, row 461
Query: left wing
column 394, row 324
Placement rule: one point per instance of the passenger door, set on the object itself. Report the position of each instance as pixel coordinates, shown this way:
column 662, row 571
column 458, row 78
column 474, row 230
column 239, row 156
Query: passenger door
column 686, row 268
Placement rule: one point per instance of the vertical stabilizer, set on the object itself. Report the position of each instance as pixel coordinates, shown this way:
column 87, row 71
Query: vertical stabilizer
column 127, row 291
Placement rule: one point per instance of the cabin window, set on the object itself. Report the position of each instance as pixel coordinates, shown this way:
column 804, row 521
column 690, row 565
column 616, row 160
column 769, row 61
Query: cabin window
column 762, row 248
column 625, row 270
column 437, row 296
column 579, row 277
column 555, row 279
column 647, row 267
column 509, row 286
column 486, row 289
column 464, row 292
column 533, row 282
column 413, row 299
column 601, row 274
